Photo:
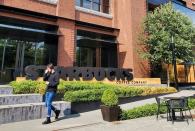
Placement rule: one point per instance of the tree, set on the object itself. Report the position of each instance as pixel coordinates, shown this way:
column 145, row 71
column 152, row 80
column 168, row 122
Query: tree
column 159, row 27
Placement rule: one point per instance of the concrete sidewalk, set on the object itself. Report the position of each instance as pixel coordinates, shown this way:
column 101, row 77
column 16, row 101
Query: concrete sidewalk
column 82, row 120
column 92, row 121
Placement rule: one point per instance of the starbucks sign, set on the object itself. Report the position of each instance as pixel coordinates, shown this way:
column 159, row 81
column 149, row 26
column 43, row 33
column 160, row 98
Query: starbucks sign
column 84, row 73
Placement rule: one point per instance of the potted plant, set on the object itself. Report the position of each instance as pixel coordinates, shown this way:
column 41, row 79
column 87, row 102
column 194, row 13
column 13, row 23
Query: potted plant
column 109, row 108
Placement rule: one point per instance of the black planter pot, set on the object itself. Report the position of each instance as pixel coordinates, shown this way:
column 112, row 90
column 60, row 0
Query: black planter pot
column 110, row 113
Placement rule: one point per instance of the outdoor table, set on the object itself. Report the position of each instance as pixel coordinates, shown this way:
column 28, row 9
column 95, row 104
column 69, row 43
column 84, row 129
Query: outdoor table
column 178, row 95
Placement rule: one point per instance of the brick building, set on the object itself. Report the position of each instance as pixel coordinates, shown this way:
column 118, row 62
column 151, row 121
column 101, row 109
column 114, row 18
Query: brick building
column 84, row 33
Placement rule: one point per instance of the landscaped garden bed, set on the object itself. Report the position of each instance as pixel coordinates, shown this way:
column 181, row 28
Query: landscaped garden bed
column 86, row 96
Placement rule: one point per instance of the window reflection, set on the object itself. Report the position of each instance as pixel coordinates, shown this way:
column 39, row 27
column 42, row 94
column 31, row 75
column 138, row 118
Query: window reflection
column 20, row 48
column 187, row 11
column 96, row 50
column 96, row 5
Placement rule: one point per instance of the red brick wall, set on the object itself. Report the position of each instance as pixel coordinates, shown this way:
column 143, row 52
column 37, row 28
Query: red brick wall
column 189, row 4
column 1, row 1
column 141, row 67
column 122, row 20
column 66, row 9
column 128, row 17
column 90, row 18
column 28, row 18
column 32, row 5
column 66, row 43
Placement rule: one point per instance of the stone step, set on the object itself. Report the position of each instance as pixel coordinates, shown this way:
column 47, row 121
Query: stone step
column 20, row 99
column 30, row 111
column 6, row 89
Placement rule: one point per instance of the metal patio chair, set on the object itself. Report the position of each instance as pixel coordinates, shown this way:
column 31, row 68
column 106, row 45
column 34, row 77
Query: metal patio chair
column 162, row 103
column 179, row 105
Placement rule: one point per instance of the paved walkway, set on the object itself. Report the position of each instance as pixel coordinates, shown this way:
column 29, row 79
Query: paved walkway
column 92, row 121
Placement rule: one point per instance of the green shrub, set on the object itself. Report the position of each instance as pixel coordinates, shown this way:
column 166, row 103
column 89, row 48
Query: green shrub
column 109, row 98
column 129, row 91
column 24, row 87
column 147, row 110
column 191, row 103
column 142, row 111
column 83, row 95
column 82, row 85
column 87, row 89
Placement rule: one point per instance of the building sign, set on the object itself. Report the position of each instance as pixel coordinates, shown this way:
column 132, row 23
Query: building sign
column 83, row 73
column 140, row 82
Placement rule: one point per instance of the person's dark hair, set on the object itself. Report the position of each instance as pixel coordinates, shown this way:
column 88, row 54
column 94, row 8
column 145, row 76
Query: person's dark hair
column 51, row 66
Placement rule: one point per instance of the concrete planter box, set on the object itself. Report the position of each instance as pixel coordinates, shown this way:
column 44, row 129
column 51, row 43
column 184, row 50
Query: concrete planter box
column 110, row 113
column 4, row 90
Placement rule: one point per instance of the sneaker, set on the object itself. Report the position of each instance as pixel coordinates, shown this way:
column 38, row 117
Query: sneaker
column 57, row 112
column 47, row 121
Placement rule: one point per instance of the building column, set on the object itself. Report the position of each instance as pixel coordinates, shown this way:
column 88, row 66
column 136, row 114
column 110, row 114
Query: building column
column 66, row 43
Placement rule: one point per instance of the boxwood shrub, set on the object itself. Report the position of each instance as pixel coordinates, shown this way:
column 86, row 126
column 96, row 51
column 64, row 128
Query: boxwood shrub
column 109, row 98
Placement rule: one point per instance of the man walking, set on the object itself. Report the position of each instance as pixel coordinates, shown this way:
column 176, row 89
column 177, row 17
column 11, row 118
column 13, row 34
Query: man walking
column 52, row 80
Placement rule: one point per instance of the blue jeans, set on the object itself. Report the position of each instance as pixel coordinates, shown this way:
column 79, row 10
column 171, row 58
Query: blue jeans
column 49, row 96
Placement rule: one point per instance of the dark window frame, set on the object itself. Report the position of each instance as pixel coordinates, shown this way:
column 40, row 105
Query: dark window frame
column 100, row 5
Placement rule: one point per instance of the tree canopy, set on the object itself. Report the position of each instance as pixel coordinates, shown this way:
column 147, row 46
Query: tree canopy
column 159, row 27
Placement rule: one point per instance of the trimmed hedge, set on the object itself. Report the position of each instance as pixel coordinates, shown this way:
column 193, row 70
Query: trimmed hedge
column 28, row 86
column 147, row 110
column 75, row 91
column 96, row 94
column 83, row 95
column 82, row 85
column 142, row 111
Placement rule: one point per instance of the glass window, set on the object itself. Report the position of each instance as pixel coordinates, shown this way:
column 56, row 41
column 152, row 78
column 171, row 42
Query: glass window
column 87, row 4
column 94, row 5
column 188, row 12
column 109, row 55
column 152, row 4
column 181, row 2
column 20, row 48
column 78, row 2
column 86, row 57
column 96, row 50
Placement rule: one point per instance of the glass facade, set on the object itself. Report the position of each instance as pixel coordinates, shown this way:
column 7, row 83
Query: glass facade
column 152, row 4
column 187, row 11
column 22, row 44
column 96, row 5
column 178, row 5
column 95, row 50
